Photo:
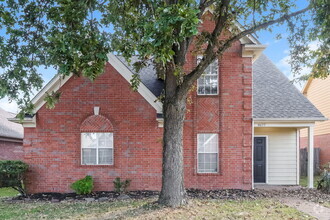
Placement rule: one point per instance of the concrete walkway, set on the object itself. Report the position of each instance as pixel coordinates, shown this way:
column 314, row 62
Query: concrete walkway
column 313, row 209
column 281, row 193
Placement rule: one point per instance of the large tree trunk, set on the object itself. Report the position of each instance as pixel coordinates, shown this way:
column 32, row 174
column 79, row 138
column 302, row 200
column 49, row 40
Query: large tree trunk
column 174, row 108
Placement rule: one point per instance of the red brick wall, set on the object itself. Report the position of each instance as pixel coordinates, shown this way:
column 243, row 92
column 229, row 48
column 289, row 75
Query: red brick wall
column 11, row 150
column 322, row 142
column 53, row 148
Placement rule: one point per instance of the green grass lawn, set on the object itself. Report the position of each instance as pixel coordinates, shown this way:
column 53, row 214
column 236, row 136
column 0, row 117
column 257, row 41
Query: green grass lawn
column 303, row 181
column 8, row 192
column 147, row 209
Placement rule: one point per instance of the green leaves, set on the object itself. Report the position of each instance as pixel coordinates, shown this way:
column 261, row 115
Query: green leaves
column 75, row 36
column 11, row 174
column 152, row 28
column 83, row 186
column 52, row 99
column 61, row 34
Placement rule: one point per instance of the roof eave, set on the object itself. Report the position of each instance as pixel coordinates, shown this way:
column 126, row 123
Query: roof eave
column 253, row 50
column 291, row 119
column 26, row 122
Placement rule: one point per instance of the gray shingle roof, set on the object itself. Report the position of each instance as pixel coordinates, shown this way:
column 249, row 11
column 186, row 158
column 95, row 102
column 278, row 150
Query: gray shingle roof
column 274, row 96
column 9, row 129
column 147, row 75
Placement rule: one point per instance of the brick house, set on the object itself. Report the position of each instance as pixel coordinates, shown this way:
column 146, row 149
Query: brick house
column 11, row 137
column 317, row 92
column 241, row 127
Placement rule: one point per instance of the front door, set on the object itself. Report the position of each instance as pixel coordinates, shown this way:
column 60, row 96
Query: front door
column 259, row 157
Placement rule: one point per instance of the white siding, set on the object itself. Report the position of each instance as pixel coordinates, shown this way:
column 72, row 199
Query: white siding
column 282, row 155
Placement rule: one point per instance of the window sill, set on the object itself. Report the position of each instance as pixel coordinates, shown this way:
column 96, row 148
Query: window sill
column 96, row 165
column 211, row 95
column 209, row 174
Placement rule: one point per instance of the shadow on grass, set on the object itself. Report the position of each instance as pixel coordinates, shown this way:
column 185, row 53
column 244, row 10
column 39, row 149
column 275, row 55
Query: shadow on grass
column 147, row 208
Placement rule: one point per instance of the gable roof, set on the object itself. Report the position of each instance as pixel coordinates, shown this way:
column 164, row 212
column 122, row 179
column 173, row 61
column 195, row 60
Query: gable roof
column 9, row 129
column 274, row 97
column 147, row 75
column 57, row 81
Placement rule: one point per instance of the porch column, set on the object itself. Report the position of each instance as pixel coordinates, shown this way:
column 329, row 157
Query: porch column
column 310, row 169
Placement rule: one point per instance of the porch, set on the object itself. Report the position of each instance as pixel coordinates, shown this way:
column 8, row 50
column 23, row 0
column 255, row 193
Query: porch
column 276, row 153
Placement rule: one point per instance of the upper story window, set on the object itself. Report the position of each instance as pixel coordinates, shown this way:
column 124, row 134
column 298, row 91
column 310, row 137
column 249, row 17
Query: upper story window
column 208, row 153
column 97, row 148
column 207, row 84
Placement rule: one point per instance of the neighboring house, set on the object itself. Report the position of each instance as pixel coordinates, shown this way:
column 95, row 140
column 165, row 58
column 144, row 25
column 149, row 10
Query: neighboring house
column 237, row 133
column 318, row 92
column 11, row 137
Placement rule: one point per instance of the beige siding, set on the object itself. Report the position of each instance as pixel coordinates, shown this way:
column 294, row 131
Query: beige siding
column 318, row 93
column 281, row 155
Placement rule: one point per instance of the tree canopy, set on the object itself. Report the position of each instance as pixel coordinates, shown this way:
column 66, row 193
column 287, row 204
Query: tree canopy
column 74, row 36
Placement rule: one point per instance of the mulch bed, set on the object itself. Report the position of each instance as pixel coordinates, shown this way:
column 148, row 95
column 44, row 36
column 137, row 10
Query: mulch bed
column 231, row 194
column 228, row 194
column 94, row 196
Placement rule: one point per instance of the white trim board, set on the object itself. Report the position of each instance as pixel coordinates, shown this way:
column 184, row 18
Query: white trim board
column 284, row 124
column 58, row 81
column 142, row 89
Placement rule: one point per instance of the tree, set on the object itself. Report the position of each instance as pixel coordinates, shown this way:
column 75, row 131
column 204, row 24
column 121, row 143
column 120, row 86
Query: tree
column 74, row 36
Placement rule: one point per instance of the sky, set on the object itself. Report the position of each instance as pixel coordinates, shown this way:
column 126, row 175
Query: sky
column 277, row 51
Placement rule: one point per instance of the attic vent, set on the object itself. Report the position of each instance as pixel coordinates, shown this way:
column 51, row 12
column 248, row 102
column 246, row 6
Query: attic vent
column 96, row 110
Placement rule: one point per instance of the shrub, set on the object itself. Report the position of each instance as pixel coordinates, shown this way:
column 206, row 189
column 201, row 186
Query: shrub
column 324, row 183
column 121, row 186
column 83, row 186
column 11, row 174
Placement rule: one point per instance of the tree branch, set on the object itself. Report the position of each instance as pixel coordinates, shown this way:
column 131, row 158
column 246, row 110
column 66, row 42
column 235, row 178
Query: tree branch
column 190, row 78
column 203, row 5
column 209, row 52
column 259, row 27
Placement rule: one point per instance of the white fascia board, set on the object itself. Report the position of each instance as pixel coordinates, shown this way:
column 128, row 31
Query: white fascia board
column 289, row 119
column 58, row 81
column 248, row 37
column 290, row 123
column 26, row 122
column 52, row 86
column 258, row 124
column 252, row 50
column 142, row 89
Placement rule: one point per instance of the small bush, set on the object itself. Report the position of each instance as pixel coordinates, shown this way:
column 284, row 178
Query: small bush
column 324, row 183
column 83, row 186
column 121, row 186
column 11, row 174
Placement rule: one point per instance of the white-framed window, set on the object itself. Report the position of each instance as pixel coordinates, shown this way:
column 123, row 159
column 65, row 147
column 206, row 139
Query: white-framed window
column 97, row 148
column 207, row 84
column 207, row 153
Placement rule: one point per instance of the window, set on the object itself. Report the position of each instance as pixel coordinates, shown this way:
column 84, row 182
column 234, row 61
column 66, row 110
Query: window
column 97, row 148
column 207, row 84
column 207, row 147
